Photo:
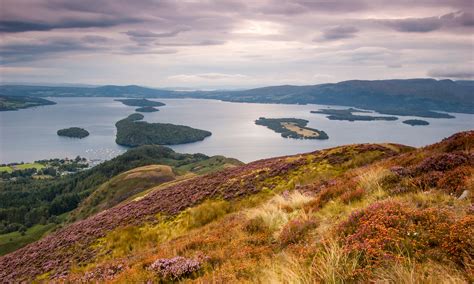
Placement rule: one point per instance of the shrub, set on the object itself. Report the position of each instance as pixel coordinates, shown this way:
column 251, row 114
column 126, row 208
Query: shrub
column 460, row 241
column 444, row 162
column 352, row 195
column 175, row 268
column 386, row 231
column 454, row 182
column 295, row 230
column 255, row 225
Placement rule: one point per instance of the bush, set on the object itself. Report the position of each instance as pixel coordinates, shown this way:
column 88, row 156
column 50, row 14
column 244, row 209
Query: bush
column 295, row 231
column 175, row 268
column 386, row 231
column 352, row 195
column 255, row 225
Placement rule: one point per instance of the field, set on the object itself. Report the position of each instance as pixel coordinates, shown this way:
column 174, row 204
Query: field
column 9, row 169
column 12, row 241
column 305, row 132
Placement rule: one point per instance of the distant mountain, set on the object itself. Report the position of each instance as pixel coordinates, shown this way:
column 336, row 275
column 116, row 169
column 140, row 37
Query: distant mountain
column 400, row 97
column 418, row 97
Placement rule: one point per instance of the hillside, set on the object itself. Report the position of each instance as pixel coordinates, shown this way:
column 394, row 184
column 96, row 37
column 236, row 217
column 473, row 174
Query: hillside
column 357, row 213
column 35, row 206
column 8, row 103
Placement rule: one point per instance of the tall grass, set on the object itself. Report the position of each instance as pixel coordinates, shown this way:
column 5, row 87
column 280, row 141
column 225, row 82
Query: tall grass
column 277, row 211
column 332, row 264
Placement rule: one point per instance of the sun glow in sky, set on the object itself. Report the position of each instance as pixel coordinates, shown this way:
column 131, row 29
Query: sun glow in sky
column 233, row 43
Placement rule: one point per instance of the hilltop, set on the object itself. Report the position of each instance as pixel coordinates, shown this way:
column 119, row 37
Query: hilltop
column 356, row 213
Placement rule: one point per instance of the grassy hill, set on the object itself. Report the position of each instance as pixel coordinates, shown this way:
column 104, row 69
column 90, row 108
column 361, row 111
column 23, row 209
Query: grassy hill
column 8, row 103
column 26, row 202
column 356, row 213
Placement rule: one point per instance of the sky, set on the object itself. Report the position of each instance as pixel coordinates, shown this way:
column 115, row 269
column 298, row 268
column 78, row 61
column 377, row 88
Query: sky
column 228, row 44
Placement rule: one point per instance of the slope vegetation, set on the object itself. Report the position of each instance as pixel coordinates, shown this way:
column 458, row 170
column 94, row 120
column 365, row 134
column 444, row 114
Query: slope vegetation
column 357, row 213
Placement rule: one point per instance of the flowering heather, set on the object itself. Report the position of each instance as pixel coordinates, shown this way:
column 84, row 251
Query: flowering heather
column 175, row 268
column 385, row 231
column 444, row 162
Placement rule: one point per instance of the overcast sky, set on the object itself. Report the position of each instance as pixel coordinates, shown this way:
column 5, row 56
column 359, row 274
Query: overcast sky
column 233, row 44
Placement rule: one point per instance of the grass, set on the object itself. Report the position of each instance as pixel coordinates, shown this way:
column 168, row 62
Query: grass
column 9, row 169
column 37, row 166
column 12, row 241
column 6, row 169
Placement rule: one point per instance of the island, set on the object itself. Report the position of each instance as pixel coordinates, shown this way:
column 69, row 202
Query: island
column 133, row 132
column 140, row 102
column 348, row 114
column 9, row 103
column 415, row 122
column 73, row 132
column 292, row 128
column 147, row 109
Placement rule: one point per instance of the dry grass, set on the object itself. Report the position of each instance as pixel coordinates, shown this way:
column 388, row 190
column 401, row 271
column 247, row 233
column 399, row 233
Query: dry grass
column 410, row 272
column 286, row 269
column 278, row 211
column 332, row 264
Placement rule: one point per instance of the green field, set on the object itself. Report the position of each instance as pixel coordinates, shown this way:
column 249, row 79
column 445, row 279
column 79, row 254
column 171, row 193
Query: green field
column 12, row 241
column 9, row 169
column 6, row 169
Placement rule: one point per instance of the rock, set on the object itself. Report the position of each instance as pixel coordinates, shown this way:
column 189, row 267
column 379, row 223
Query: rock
column 464, row 195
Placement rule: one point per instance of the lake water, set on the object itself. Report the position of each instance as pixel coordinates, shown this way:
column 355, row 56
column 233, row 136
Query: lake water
column 30, row 134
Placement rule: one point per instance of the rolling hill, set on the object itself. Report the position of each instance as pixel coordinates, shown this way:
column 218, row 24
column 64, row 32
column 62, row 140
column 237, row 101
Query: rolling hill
column 355, row 213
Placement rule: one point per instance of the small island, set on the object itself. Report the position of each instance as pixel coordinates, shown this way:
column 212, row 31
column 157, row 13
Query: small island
column 132, row 132
column 348, row 115
column 147, row 109
column 9, row 103
column 415, row 122
column 140, row 102
column 292, row 128
column 73, row 132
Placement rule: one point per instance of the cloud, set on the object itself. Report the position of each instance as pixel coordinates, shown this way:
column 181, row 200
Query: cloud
column 20, row 52
column 429, row 24
column 145, row 36
column 206, row 77
column 339, row 32
column 453, row 73
column 94, row 39
column 25, row 26
column 206, row 42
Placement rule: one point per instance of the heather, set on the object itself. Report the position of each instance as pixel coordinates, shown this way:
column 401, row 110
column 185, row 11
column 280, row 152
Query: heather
column 369, row 213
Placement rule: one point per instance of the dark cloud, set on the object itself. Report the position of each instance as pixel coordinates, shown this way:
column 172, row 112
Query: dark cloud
column 146, row 33
column 144, row 37
column 339, row 32
column 25, row 26
column 429, row 24
column 291, row 7
column 21, row 52
column 453, row 73
column 94, row 39
column 198, row 43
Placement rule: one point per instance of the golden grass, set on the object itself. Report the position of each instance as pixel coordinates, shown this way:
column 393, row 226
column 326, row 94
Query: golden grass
column 408, row 272
column 279, row 210
column 301, row 131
